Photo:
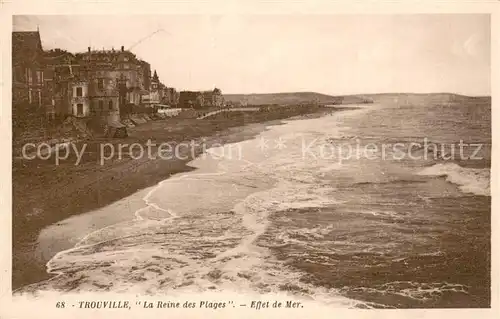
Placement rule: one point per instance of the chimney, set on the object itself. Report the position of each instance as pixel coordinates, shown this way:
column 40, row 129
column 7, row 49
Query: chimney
column 88, row 49
column 123, row 48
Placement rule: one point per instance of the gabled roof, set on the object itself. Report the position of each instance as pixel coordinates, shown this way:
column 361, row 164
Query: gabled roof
column 26, row 46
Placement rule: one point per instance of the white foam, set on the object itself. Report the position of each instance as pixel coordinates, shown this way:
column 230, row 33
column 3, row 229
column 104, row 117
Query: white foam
column 470, row 180
column 415, row 290
column 198, row 246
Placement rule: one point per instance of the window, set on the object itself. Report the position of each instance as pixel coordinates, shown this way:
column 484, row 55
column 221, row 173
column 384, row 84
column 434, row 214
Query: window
column 79, row 91
column 110, row 105
column 39, row 77
column 100, row 84
column 101, row 105
column 30, row 78
column 79, row 109
column 39, row 98
column 30, row 98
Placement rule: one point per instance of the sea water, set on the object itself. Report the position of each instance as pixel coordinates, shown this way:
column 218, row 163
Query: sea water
column 293, row 211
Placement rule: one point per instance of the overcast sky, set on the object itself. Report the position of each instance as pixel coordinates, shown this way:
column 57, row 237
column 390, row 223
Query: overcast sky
column 331, row 54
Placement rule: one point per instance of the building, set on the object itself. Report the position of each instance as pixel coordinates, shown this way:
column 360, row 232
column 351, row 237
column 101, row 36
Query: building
column 167, row 96
column 196, row 99
column 157, row 92
column 154, row 94
column 146, row 74
column 27, row 72
column 116, row 80
column 60, row 70
column 101, row 84
column 161, row 92
column 217, row 98
column 174, row 96
column 191, row 99
column 80, row 102
column 213, row 98
column 170, row 96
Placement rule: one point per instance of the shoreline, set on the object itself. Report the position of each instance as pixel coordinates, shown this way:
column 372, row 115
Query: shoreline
column 97, row 187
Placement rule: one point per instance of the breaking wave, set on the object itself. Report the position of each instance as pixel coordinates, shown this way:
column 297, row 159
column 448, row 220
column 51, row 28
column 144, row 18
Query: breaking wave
column 275, row 221
column 470, row 180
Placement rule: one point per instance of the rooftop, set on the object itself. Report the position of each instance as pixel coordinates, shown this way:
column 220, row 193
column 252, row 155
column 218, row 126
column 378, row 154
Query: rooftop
column 26, row 45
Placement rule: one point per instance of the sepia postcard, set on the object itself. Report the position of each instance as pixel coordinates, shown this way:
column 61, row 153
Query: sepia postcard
column 257, row 160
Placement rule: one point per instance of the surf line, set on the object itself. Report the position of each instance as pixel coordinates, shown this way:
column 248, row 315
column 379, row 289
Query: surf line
column 137, row 216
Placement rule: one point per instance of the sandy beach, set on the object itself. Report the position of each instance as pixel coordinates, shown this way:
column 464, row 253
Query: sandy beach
column 45, row 194
column 248, row 160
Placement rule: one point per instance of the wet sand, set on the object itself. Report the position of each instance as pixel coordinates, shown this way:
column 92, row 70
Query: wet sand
column 45, row 194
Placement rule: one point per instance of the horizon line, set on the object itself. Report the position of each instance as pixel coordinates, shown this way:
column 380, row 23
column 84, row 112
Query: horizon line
column 360, row 94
